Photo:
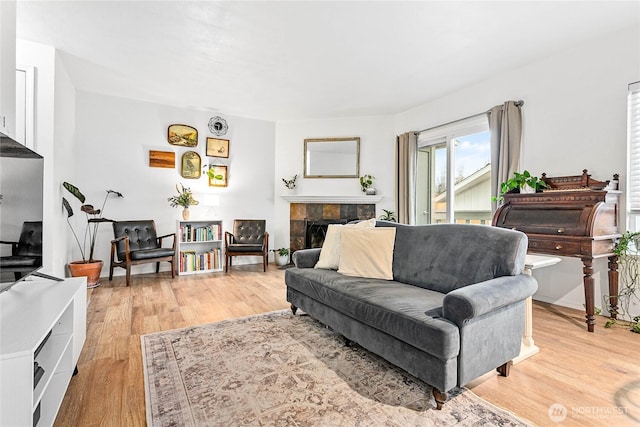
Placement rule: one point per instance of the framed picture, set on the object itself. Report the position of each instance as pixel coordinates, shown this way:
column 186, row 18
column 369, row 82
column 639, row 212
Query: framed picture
column 183, row 135
column 162, row 159
column 191, row 165
column 217, row 147
column 218, row 176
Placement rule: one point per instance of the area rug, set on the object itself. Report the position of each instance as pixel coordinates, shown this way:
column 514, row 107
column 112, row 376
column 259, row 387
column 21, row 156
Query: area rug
column 277, row 369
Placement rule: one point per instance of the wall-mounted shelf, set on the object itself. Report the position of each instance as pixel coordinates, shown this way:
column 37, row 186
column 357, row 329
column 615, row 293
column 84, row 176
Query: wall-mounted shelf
column 360, row 199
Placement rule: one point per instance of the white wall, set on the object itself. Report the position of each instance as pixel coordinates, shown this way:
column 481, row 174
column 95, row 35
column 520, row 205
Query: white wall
column 113, row 138
column 53, row 134
column 376, row 158
column 574, row 118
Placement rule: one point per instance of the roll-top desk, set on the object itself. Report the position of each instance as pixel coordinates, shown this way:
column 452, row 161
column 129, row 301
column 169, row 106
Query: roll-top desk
column 576, row 216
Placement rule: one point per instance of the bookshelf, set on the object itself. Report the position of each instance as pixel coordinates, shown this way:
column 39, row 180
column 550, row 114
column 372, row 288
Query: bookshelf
column 200, row 246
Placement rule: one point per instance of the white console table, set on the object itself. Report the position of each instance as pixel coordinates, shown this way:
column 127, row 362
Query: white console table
column 48, row 318
column 528, row 347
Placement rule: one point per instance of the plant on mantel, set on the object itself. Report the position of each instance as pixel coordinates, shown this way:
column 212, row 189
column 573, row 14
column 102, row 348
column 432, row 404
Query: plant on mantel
column 628, row 280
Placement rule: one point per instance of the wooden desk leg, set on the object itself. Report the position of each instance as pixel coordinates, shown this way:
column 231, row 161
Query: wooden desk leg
column 613, row 287
column 589, row 286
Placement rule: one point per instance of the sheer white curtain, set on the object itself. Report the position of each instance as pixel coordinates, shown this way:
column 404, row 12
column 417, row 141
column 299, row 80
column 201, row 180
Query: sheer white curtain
column 405, row 192
column 505, row 124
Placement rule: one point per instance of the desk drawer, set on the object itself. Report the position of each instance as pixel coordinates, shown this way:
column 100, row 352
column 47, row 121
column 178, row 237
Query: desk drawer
column 555, row 247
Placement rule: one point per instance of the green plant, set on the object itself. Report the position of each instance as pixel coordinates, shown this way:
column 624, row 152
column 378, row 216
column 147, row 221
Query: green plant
column 213, row 176
column 282, row 251
column 366, row 181
column 184, row 198
column 94, row 218
column 628, row 279
column 388, row 216
column 290, row 183
column 518, row 181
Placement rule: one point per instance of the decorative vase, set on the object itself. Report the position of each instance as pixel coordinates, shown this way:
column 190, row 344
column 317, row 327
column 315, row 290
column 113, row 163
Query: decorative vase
column 90, row 270
column 370, row 191
column 282, row 259
column 525, row 189
column 186, row 214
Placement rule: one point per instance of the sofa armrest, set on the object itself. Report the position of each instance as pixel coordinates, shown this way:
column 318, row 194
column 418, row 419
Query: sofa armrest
column 463, row 304
column 306, row 258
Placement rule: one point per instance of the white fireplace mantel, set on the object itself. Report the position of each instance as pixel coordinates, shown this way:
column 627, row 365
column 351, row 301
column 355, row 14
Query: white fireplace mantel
column 363, row 199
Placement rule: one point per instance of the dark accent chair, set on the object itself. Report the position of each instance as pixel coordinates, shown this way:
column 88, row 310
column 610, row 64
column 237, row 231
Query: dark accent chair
column 26, row 253
column 249, row 238
column 136, row 242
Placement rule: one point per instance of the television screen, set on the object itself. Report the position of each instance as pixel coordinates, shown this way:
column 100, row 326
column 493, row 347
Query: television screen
column 21, row 211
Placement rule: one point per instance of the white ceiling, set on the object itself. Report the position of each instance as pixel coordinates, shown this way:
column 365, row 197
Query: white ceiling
column 296, row 60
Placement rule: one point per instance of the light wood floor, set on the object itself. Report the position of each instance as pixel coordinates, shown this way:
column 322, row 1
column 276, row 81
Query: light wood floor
column 596, row 376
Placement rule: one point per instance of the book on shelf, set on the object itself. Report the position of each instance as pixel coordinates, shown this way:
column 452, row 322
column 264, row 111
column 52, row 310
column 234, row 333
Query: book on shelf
column 191, row 261
column 200, row 233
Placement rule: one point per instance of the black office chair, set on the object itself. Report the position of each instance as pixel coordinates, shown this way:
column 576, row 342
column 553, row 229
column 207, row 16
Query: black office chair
column 249, row 238
column 136, row 242
column 26, row 253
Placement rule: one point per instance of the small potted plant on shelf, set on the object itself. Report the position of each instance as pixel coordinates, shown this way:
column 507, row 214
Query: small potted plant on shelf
column 185, row 199
column 88, row 267
column 521, row 183
column 281, row 256
column 366, row 182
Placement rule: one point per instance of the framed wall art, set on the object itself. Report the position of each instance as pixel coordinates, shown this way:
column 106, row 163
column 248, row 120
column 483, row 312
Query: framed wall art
column 191, row 165
column 218, row 147
column 183, row 135
column 162, row 159
column 218, row 176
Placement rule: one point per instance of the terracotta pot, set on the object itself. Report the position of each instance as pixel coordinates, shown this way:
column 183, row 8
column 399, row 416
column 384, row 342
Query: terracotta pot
column 186, row 214
column 90, row 270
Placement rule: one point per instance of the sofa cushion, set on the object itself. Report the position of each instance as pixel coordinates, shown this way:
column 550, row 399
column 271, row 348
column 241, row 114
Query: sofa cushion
column 367, row 252
column 409, row 313
column 330, row 253
column 444, row 257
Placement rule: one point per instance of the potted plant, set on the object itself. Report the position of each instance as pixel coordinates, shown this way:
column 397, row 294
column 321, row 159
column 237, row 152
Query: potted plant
column 185, row 199
column 88, row 267
column 281, row 256
column 521, row 183
column 629, row 279
column 366, row 182
column 388, row 216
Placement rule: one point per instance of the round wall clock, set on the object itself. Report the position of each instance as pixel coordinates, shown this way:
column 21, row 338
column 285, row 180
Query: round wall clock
column 218, row 126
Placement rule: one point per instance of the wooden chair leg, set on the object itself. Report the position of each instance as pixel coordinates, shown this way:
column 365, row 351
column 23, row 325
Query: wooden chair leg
column 294, row 309
column 173, row 267
column 157, row 267
column 226, row 263
column 128, row 267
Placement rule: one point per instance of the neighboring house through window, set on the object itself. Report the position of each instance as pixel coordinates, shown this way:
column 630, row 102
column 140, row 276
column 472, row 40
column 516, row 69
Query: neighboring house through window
column 453, row 173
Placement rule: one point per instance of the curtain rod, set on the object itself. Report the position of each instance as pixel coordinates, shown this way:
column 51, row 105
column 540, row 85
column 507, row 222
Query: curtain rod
column 518, row 103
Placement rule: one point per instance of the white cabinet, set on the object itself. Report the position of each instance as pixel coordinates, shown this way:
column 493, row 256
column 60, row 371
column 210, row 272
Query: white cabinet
column 200, row 246
column 42, row 331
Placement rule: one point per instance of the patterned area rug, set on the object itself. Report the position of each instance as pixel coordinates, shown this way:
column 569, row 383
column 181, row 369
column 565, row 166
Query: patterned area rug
column 277, row 369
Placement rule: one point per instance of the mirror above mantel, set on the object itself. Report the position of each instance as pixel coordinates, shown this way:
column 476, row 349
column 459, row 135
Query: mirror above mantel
column 332, row 157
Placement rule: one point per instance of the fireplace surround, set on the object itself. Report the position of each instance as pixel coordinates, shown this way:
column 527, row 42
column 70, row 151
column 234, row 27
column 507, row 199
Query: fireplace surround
column 319, row 216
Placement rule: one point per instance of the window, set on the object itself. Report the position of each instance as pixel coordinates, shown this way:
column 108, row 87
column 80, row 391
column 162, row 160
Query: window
column 453, row 173
column 633, row 167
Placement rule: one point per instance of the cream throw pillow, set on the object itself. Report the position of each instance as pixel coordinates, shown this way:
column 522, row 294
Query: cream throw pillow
column 368, row 253
column 330, row 252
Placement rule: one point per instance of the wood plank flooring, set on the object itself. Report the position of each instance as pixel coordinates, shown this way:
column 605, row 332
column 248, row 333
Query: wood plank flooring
column 595, row 376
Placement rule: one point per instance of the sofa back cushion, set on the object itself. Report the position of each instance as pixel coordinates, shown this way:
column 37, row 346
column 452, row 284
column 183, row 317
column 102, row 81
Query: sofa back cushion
column 444, row 257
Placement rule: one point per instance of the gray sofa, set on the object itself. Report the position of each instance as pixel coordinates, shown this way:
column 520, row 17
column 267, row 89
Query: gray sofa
column 453, row 311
